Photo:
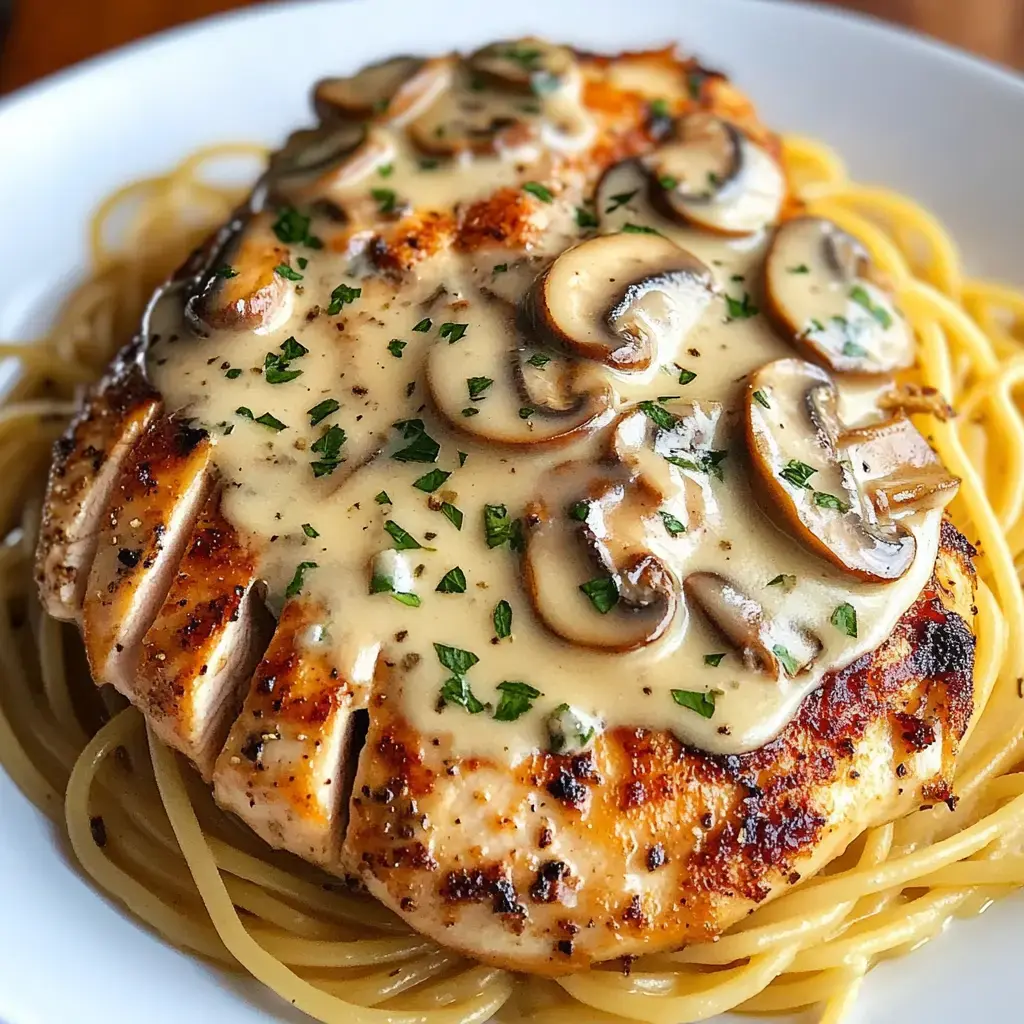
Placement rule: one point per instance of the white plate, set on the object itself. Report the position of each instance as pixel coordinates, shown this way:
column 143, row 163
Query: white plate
column 912, row 115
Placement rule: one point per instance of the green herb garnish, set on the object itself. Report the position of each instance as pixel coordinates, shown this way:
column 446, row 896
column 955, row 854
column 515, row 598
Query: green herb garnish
column 452, row 582
column 404, row 541
column 341, row 296
column 516, row 699
column 797, row 473
column 603, row 593
column 395, row 347
column 322, row 410
column 535, row 188
column 477, row 386
column 453, row 332
column 696, row 700
column 295, row 587
column 502, row 618
column 430, row 482
column 714, row 660
column 844, row 618
column 673, row 525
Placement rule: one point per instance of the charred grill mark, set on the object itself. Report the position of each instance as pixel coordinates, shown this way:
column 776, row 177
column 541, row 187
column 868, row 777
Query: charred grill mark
column 488, row 882
column 548, row 884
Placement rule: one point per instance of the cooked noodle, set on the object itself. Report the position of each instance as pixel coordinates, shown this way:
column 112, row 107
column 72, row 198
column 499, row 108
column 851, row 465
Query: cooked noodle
column 146, row 830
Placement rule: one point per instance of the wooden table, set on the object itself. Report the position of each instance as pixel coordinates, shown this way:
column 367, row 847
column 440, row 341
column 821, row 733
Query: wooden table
column 50, row 34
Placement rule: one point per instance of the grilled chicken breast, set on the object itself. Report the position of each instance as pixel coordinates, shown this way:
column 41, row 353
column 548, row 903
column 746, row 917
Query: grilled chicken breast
column 461, row 518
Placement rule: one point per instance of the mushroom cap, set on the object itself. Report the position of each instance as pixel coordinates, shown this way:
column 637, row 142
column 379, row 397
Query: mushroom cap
column 824, row 295
column 712, row 176
column 625, row 300
column 238, row 286
column 802, row 481
column 562, row 554
column 365, row 93
column 526, row 65
column 537, row 398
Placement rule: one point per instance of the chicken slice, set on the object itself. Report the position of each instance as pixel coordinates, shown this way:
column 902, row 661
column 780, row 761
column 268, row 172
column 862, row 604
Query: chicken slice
column 285, row 767
column 207, row 639
column 86, row 463
column 639, row 844
column 144, row 532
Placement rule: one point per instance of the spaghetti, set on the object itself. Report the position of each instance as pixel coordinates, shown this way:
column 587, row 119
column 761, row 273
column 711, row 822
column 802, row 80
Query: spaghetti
column 149, row 833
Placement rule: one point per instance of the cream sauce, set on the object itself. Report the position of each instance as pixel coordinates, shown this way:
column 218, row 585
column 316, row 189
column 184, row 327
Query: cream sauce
column 372, row 359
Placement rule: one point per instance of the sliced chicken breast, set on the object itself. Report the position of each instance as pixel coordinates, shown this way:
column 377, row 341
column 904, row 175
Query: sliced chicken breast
column 87, row 462
column 144, row 531
column 206, row 641
column 642, row 844
column 284, row 769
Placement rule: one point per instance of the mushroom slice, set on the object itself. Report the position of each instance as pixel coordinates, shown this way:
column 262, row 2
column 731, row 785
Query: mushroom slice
column 622, row 300
column 365, row 93
column 742, row 621
column 896, row 468
column 802, row 479
column 652, row 437
column 525, row 65
column 596, row 582
column 331, row 163
column 240, row 287
column 414, row 96
column 823, row 293
column 462, row 121
column 713, row 176
column 534, row 398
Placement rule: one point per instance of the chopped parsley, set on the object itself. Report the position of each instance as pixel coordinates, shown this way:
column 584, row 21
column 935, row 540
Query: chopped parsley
column 502, row 619
column 470, row 411
column 295, row 587
column 384, row 198
column 526, row 411
column 500, row 528
column 797, row 473
column 539, row 360
column 741, row 309
column 384, row 585
column 477, row 386
column 385, row 170
column 341, row 296
column 854, row 351
column 421, row 447
column 292, row 228
column 233, row 374
column 800, row 268
column 453, row 514
column 672, row 525
column 310, row 531
column 638, row 229
column 277, row 368
column 667, row 182
column 404, row 541
column 411, row 600
column 860, row 295
column 268, row 419
column 844, row 618
column 620, row 199
column 761, row 398
column 452, row 582
column 516, row 699
column 658, row 108
column 456, row 691
column 455, row 659
column 602, row 592
column 714, row 660
column 686, row 376
column 462, row 458
column 789, row 663
column 696, row 700
column 709, row 462
column 283, row 270
column 535, row 188
column 658, row 414
column 453, row 332
column 322, row 410
column 395, row 347
column 328, row 447
column 424, row 325
column 783, row 580
column 499, row 268
column 225, row 271
column 579, row 511
column 825, row 500
column 585, row 218
column 430, row 482
column 382, row 498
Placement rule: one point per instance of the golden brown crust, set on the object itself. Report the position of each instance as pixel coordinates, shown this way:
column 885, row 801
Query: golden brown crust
column 644, row 844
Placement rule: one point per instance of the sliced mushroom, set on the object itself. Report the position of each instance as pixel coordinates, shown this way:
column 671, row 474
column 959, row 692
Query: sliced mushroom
column 803, row 480
column 365, row 93
column 625, row 300
column 329, row 163
column 240, row 286
column 742, row 621
column 713, row 176
column 823, row 293
column 896, row 468
column 694, row 434
column 525, row 65
column 633, row 595
column 537, row 397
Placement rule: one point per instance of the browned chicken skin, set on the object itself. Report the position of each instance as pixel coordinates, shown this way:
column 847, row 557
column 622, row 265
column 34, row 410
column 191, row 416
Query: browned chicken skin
column 634, row 843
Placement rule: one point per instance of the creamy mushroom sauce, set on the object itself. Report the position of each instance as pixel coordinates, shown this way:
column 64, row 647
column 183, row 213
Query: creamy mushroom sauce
column 338, row 520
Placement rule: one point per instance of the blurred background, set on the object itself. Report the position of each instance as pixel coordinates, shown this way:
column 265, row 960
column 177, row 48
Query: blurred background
column 38, row 37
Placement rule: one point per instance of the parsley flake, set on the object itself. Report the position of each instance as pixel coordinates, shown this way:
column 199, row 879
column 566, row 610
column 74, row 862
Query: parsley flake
column 453, row 332
column 395, row 347
column 860, row 295
column 602, row 592
column 844, row 618
column 761, row 398
column 452, row 582
column 741, row 309
column 322, row 410
column 535, row 188
column 404, row 541
column 295, row 587
column 310, row 531
column 714, row 660
column 430, row 481
column 672, row 525
column 381, row 497
column 452, row 513
column 696, row 700
column 477, row 386
column 825, row 500
column 516, row 699
column 283, row 270
column 502, row 618
column 789, row 663
column 341, row 296
column 797, row 473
